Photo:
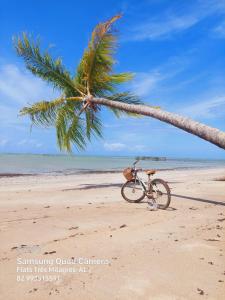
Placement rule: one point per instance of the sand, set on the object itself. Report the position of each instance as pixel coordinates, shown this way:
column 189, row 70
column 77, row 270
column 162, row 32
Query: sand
column 178, row 253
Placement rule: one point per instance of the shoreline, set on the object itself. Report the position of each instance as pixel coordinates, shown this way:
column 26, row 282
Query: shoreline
column 97, row 171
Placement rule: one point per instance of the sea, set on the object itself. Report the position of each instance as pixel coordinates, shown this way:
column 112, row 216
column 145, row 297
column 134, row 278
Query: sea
column 19, row 164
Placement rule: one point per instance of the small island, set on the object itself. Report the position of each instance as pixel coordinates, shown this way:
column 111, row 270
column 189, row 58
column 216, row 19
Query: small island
column 154, row 158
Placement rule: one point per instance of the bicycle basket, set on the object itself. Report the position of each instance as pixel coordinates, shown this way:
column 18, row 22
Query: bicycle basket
column 128, row 174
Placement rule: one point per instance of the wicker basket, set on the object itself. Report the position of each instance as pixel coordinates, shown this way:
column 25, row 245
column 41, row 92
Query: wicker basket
column 128, row 174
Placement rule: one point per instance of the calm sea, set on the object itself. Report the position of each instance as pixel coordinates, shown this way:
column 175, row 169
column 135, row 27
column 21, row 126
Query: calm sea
column 69, row 164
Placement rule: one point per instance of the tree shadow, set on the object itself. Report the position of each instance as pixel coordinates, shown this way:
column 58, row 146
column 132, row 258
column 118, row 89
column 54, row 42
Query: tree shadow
column 199, row 199
column 93, row 186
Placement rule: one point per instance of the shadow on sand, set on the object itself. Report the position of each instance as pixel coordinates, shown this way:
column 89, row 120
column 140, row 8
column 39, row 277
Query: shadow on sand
column 199, row 199
column 94, row 186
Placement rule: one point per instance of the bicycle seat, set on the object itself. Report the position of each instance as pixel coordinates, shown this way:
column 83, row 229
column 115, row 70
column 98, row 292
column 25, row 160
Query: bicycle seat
column 150, row 172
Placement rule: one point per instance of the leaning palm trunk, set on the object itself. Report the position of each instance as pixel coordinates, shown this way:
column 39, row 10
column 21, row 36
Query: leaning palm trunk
column 94, row 84
column 207, row 133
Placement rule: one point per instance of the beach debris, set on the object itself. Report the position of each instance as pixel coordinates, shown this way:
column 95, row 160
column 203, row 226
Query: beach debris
column 73, row 235
column 50, row 252
column 68, row 207
column 210, row 263
column 13, row 248
column 220, row 280
column 16, row 247
column 47, row 206
column 89, row 203
column 221, row 220
column 73, row 227
column 200, row 291
column 212, row 240
column 122, row 226
column 34, row 290
column 193, row 208
column 176, row 240
column 110, row 235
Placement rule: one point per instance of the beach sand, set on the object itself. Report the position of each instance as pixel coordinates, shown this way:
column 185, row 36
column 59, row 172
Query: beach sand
column 178, row 253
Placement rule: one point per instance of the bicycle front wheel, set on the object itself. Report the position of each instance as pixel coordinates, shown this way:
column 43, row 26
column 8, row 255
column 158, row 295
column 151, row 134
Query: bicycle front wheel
column 133, row 191
column 161, row 193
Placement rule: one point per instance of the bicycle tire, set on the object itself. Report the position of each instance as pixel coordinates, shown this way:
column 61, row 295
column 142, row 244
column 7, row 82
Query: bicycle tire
column 161, row 181
column 131, row 200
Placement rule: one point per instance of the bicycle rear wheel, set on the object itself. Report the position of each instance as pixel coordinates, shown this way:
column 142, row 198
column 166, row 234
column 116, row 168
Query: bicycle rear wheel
column 161, row 193
column 133, row 191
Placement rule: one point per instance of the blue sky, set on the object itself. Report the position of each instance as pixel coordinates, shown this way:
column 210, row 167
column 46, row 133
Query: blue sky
column 175, row 48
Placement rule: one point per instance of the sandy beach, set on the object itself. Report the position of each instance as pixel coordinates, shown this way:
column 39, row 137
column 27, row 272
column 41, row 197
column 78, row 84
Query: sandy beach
column 173, row 254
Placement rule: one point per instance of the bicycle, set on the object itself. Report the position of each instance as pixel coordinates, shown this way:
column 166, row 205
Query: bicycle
column 135, row 189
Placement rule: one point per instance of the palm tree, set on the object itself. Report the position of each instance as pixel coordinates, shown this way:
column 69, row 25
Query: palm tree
column 75, row 114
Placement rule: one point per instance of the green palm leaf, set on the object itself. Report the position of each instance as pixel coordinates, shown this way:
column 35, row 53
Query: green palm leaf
column 43, row 66
column 76, row 124
column 94, row 72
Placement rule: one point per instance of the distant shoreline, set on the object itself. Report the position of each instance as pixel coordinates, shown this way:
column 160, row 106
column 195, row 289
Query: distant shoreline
column 91, row 171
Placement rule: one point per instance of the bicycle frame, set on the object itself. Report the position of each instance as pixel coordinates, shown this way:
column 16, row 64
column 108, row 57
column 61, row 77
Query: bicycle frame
column 147, row 188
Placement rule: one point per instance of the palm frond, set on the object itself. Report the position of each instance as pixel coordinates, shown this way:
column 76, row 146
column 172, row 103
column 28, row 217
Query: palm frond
column 94, row 77
column 44, row 112
column 127, row 98
column 94, row 72
column 43, row 66
column 93, row 125
column 69, row 130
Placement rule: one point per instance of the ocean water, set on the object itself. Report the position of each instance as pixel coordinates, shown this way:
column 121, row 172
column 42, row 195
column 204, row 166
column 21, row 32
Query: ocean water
column 69, row 164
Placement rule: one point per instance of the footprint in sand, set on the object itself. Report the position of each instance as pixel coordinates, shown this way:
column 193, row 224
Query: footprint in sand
column 71, row 228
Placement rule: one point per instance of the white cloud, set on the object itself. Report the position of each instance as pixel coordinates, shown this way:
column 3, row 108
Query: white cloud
column 114, row 146
column 3, row 142
column 162, row 29
column 169, row 23
column 120, row 146
column 209, row 108
column 21, row 87
column 30, row 142
column 139, row 148
column 145, row 82
column 17, row 88
column 220, row 30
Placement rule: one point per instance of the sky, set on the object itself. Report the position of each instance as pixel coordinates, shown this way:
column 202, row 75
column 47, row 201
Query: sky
column 175, row 48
